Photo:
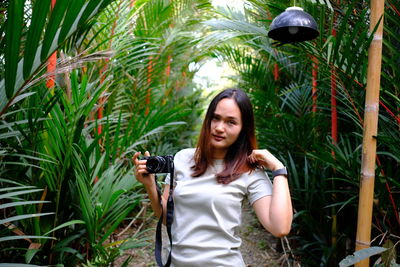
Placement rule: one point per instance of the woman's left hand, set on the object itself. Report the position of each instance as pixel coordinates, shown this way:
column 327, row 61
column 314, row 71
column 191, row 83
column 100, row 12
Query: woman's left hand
column 264, row 158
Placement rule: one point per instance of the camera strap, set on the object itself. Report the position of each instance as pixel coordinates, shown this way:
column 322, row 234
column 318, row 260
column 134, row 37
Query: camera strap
column 169, row 219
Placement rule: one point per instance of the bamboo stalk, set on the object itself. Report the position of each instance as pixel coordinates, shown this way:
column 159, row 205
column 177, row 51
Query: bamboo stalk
column 364, row 222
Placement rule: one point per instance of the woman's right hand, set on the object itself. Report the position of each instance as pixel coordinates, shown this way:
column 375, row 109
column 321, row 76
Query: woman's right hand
column 141, row 173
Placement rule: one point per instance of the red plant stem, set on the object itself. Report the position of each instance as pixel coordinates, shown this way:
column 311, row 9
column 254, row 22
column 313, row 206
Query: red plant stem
column 52, row 62
column 276, row 72
column 334, row 132
column 377, row 157
column 393, row 203
column 314, row 73
column 390, row 192
column 103, row 70
column 167, row 74
column 148, row 95
column 334, row 141
column 100, row 104
column 168, row 70
column 354, row 106
column 397, row 118
column 102, row 98
column 394, row 8
column 181, row 83
column 51, row 68
column 100, row 116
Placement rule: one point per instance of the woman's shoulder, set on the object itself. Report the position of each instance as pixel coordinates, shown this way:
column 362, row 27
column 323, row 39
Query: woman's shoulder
column 185, row 154
column 183, row 161
column 257, row 173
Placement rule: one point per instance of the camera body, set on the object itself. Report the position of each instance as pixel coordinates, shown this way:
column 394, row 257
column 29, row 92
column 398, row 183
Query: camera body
column 159, row 164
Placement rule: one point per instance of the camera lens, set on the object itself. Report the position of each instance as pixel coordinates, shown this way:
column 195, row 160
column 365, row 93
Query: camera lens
column 159, row 164
column 155, row 164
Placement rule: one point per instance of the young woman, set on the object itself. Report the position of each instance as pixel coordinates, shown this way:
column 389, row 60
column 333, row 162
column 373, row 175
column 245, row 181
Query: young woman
column 213, row 179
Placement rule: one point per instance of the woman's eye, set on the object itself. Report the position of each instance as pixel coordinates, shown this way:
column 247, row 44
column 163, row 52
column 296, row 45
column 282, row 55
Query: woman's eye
column 232, row 122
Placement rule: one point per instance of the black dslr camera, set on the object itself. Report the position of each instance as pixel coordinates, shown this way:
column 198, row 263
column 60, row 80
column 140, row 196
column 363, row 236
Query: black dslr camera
column 159, row 164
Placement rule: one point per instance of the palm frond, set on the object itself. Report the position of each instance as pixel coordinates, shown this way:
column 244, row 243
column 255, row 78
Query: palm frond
column 35, row 52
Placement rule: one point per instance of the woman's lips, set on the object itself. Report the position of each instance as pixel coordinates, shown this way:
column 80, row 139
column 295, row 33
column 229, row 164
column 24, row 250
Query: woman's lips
column 218, row 137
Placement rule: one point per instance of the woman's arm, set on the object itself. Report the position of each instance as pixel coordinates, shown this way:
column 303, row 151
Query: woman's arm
column 274, row 212
column 147, row 179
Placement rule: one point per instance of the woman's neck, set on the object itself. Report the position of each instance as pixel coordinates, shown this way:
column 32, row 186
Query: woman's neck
column 219, row 153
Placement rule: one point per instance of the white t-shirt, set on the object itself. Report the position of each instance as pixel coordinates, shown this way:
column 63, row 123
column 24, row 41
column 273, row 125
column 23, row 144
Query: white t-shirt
column 207, row 213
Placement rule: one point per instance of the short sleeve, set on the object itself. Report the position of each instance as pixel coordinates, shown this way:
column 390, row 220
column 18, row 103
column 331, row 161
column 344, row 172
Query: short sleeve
column 182, row 162
column 168, row 179
column 260, row 186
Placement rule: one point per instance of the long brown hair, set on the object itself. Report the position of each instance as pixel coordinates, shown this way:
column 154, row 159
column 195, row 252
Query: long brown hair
column 236, row 158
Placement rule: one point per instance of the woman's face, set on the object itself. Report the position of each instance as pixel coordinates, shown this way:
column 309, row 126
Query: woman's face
column 226, row 125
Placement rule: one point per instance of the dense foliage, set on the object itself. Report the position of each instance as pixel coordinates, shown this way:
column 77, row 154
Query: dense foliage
column 123, row 84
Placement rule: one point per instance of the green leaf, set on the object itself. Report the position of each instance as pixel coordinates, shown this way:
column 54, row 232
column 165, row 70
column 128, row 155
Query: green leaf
column 21, row 97
column 74, row 8
column 115, row 196
column 19, row 265
column 343, row 203
column 65, row 225
column 16, row 187
column 86, row 205
column 39, row 15
column 13, row 40
column 30, row 254
column 8, row 195
column 17, row 237
column 78, row 129
column 90, row 9
column 56, row 17
column 21, row 203
column 98, row 166
column 361, row 255
column 26, row 216
column 8, row 181
column 72, row 251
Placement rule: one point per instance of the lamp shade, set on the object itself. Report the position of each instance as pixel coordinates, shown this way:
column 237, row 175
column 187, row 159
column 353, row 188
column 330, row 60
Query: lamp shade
column 293, row 25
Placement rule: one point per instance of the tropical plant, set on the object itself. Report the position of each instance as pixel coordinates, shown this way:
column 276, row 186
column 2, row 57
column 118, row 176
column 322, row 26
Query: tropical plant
column 73, row 142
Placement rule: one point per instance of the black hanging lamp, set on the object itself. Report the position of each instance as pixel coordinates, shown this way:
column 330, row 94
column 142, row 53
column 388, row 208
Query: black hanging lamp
column 292, row 26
